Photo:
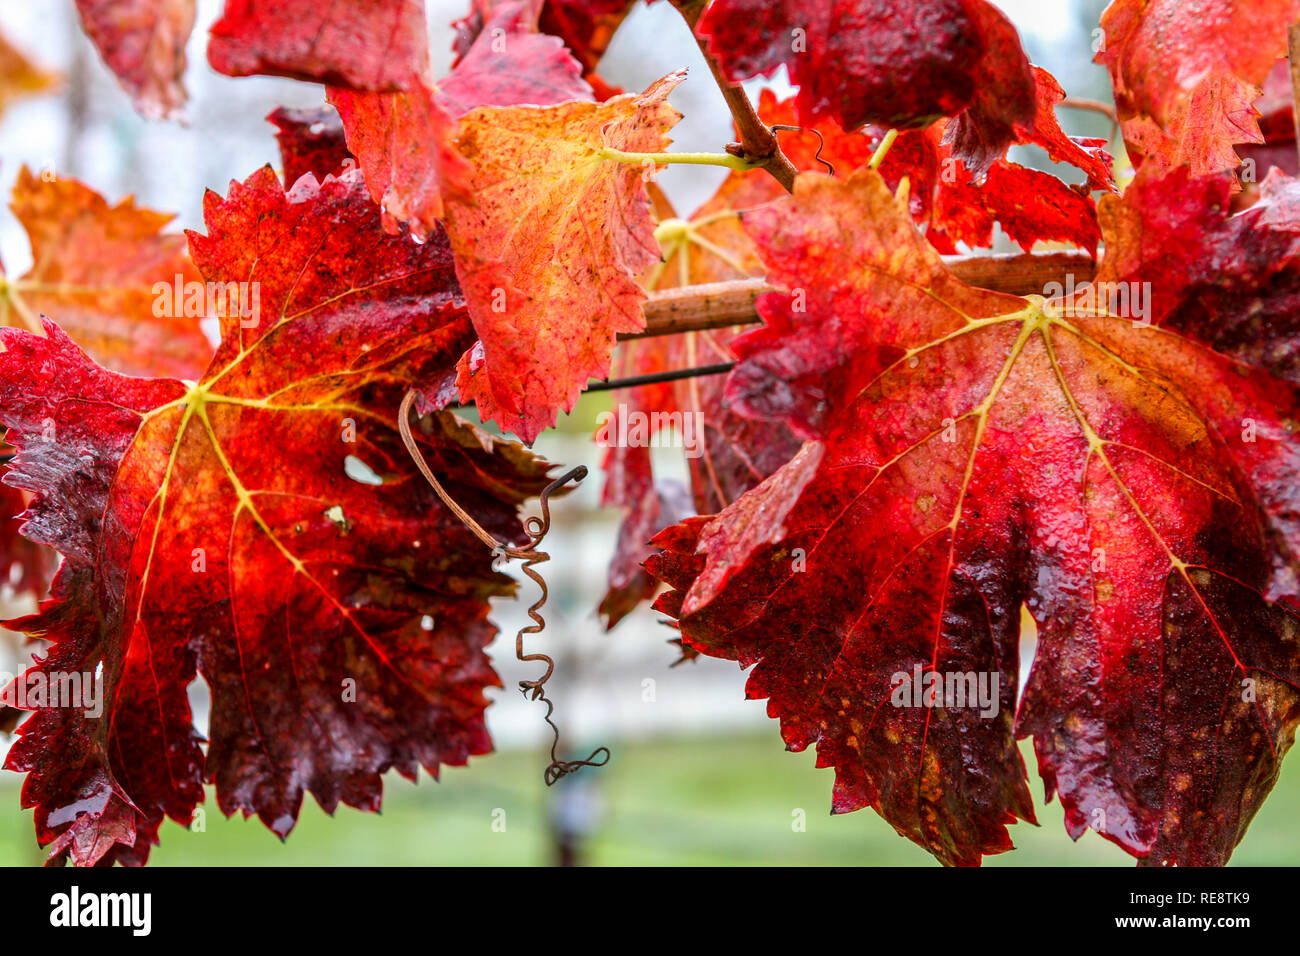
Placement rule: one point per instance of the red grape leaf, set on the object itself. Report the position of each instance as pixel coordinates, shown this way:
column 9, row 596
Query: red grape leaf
column 311, row 141
column 651, row 507
column 373, row 45
column 339, row 623
column 585, row 26
column 713, row 246
column 961, row 204
column 1186, row 75
column 1087, row 154
column 19, row 77
column 1029, row 205
column 549, row 235
column 97, row 269
column 25, row 567
column 400, row 138
column 511, row 64
column 648, row 505
column 876, row 61
column 1006, row 94
column 1277, row 126
column 944, row 197
column 736, row 453
column 972, row 453
column 143, row 43
column 1231, row 281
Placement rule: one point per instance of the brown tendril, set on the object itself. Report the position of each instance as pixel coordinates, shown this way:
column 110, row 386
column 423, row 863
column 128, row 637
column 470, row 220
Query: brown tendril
column 1093, row 106
column 820, row 142
column 536, row 528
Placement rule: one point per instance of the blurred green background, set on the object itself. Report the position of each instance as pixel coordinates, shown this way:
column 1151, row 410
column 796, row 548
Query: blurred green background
column 685, row 801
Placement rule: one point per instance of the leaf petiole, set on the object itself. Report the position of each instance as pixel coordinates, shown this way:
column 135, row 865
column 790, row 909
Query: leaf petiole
column 695, row 159
column 882, row 150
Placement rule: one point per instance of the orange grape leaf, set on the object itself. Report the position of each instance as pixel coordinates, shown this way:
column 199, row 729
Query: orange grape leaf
column 98, row 269
column 400, row 139
column 109, row 276
column 549, row 233
column 19, row 77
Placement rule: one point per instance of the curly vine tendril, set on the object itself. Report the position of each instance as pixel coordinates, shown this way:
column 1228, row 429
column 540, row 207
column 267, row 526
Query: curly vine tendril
column 536, row 528
column 821, row 143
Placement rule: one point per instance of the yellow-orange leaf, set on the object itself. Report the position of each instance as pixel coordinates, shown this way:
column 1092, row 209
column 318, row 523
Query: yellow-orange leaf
column 549, row 234
column 19, row 77
column 95, row 268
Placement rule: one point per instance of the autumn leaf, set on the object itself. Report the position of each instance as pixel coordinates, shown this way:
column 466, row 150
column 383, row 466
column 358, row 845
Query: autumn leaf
column 25, row 567
column 1030, row 205
column 1186, row 75
column 585, row 26
column 549, row 230
column 511, row 64
column 19, row 77
column 1006, row 93
column 376, row 45
column 401, row 138
column 338, row 619
column 715, row 248
column 972, row 453
column 311, row 140
column 732, row 453
column 1277, row 127
column 98, row 270
column 143, row 43
column 1230, row 281
column 1086, row 153
column 650, row 506
column 958, row 203
column 876, row 61
column 398, row 140
column 954, row 202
